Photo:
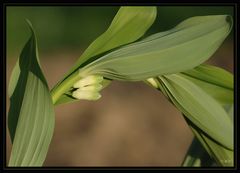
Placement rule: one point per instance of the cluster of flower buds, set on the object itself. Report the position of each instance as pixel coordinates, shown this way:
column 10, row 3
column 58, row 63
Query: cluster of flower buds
column 88, row 88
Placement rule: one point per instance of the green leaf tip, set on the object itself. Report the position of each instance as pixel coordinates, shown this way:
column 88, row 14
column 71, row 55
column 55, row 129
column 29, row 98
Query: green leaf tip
column 29, row 23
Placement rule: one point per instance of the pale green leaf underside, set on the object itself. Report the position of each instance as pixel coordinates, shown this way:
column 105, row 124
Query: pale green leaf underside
column 35, row 125
column 200, row 108
column 182, row 48
column 213, row 75
column 215, row 81
column 218, row 84
column 129, row 24
column 220, row 154
column 31, row 113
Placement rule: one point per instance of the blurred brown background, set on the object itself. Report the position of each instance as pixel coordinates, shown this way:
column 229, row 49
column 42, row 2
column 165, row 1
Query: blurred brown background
column 132, row 124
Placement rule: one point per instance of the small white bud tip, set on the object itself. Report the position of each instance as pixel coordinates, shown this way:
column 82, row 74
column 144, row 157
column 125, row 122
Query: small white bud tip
column 89, row 80
column 95, row 88
column 152, row 82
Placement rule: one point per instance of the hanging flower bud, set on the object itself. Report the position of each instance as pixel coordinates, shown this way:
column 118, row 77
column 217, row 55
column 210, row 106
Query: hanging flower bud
column 89, row 80
column 95, row 87
column 152, row 82
column 88, row 88
column 86, row 95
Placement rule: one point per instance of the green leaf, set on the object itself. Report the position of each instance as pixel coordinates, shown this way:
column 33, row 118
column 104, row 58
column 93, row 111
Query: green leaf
column 220, row 154
column 31, row 113
column 134, row 20
column 217, row 82
column 129, row 24
column 200, row 108
column 208, row 78
column 182, row 48
column 202, row 143
column 213, row 75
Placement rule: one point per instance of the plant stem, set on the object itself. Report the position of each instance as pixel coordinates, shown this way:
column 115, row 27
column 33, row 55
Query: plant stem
column 64, row 86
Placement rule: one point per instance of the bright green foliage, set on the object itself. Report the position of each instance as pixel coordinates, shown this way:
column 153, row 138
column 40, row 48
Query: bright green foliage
column 31, row 113
column 195, row 97
column 200, row 108
column 220, row 154
column 215, row 81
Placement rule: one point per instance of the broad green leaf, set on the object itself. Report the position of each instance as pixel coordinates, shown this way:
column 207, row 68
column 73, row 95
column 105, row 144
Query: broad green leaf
column 129, row 24
column 209, row 79
column 218, row 83
column 31, row 113
column 182, row 48
column 200, row 108
column 215, row 81
column 212, row 74
column 220, row 154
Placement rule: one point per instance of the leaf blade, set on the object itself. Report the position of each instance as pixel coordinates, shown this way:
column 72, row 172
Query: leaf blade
column 179, row 49
column 220, row 154
column 216, row 81
column 195, row 104
column 31, row 122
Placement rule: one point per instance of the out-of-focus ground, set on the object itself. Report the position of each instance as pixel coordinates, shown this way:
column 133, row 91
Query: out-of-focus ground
column 131, row 125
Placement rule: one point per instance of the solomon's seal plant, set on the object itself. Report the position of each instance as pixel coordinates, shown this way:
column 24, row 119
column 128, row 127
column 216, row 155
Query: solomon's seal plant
column 169, row 61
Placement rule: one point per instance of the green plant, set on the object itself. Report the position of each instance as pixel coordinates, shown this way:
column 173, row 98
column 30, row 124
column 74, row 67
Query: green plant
column 170, row 61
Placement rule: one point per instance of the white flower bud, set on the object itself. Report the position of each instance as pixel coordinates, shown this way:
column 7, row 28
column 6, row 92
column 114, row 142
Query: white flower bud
column 95, row 87
column 89, row 80
column 152, row 82
column 86, row 95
